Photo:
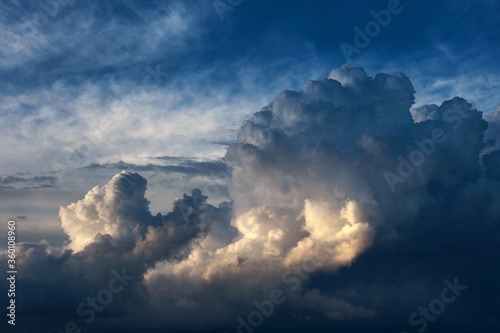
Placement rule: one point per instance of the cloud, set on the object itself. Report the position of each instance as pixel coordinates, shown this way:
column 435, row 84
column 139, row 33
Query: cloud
column 308, row 172
column 493, row 132
column 111, row 228
column 102, row 35
column 313, row 215
column 424, row 113
column 113, row 209
column 183, row 166
column 22, row 181
column 340, row 234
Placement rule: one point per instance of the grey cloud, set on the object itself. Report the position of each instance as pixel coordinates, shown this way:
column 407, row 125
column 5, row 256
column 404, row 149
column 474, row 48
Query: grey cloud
column 27, row 182
column 183, row 166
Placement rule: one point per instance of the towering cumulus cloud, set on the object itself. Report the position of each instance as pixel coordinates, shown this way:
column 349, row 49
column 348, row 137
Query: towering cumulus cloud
column 346, row 204
column 116, row 209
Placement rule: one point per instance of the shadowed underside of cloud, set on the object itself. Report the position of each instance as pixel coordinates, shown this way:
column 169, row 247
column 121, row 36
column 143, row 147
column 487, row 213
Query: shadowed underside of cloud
column 183, row 166
column 352, row 205
column 26, row 182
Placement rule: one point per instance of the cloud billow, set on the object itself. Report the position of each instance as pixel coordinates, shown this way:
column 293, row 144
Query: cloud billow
column 308, row 175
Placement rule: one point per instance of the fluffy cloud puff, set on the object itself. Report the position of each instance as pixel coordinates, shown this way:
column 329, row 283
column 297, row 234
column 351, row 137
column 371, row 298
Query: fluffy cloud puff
column 113, row 209
column 351, row 204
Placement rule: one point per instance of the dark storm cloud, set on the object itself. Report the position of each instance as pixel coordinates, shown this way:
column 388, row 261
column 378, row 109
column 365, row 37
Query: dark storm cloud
column 333, row 142
column 441, row 220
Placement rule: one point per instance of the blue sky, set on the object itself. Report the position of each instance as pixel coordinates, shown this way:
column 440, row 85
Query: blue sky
column 163, row 87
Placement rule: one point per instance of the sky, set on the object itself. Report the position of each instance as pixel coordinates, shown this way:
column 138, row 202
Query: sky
column 251, row 166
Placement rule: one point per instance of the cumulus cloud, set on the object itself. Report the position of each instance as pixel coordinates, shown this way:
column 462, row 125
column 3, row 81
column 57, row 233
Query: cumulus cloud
column 113, row 209
column 308, row 172
column 351, row 203
column 111, row 229
column 424, row 112
column 341, row 234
